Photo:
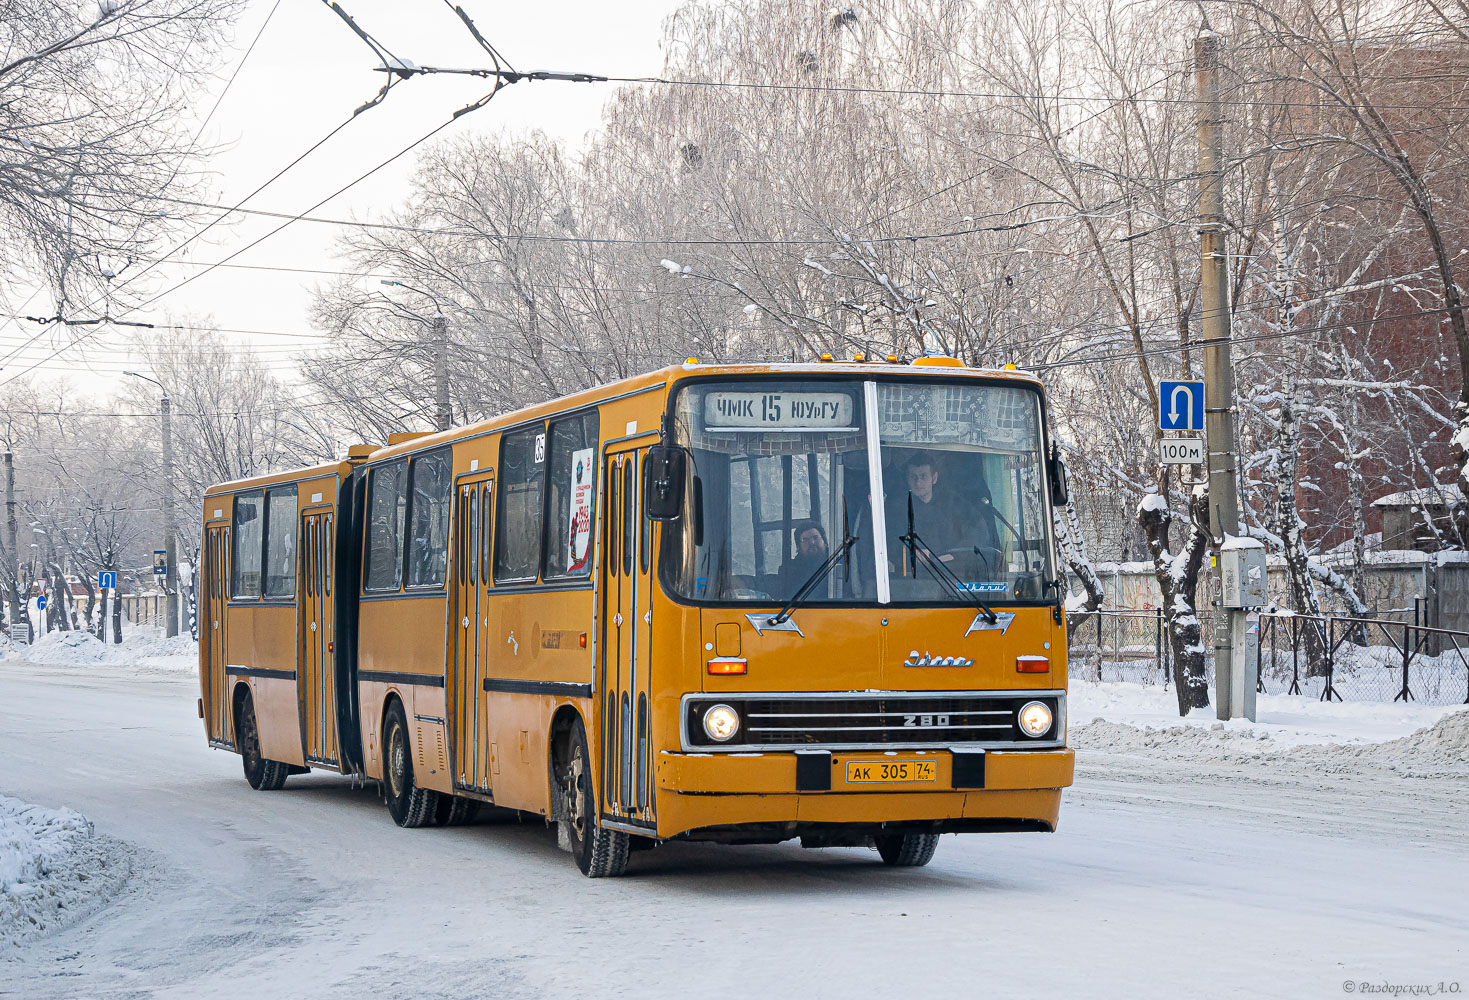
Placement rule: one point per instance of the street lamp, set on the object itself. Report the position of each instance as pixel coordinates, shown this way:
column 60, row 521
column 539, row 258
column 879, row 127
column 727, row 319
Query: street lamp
column 170, row 547
column 443, row 416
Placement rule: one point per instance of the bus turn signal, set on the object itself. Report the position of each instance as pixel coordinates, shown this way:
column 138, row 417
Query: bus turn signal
column 1032, row 665
column 727, row 665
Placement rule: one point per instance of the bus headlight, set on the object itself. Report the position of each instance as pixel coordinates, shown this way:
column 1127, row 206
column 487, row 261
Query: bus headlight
column 721, row 723
column 1035, row 718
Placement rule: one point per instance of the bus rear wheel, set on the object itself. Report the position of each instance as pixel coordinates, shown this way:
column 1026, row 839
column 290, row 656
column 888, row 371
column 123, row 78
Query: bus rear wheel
column 409, row 805
column 263, row 775
column 599, row 852
column 907, row 850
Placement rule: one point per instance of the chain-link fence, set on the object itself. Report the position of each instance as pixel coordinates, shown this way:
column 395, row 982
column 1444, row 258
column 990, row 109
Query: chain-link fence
column 1329, row 657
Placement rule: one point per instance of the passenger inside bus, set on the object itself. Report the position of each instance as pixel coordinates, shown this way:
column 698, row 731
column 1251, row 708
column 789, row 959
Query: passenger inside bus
column 810, row 552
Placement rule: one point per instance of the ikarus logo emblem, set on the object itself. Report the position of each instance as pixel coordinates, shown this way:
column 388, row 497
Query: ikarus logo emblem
column 929, row 660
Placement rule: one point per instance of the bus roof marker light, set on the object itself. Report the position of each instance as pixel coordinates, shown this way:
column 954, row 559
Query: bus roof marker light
column 892, row 359
column 690, row 361
column 859, row 357
column 825, row 355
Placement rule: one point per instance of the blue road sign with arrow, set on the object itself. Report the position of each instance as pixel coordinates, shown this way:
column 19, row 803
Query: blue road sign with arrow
column 1181, row 406
column 41, row 603
column 106, row 579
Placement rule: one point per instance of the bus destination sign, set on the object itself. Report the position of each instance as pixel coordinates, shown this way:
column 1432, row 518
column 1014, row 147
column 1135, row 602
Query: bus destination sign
column 778, row 411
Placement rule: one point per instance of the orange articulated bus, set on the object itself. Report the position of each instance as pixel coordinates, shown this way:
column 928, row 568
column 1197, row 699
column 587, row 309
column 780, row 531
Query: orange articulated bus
column 738, row 603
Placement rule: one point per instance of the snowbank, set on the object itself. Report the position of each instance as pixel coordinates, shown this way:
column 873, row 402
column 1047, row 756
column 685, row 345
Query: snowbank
column 1439, row 751
column 53, row 870
column 144, row 647
column 1286, row 720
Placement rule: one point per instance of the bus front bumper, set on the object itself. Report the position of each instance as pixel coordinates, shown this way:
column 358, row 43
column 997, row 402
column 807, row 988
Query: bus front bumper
column 698, row 790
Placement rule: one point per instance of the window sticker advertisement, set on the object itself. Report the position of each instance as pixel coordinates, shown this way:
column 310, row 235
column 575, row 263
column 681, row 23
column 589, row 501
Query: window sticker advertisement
column 580, row 513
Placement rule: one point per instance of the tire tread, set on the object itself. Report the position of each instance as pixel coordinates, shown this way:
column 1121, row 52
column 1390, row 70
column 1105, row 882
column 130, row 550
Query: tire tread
column 907, row 850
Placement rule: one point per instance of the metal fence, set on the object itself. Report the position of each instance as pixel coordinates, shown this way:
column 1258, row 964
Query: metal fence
column 145, row 609
column 1329, row 657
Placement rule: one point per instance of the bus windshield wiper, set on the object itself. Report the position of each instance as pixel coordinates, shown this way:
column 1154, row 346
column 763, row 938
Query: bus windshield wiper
column 986, row 501
column 817, row 575
column 940, row 570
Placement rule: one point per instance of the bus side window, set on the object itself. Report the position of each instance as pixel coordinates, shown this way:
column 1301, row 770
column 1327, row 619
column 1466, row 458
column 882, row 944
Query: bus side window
column 247, row 539
column 470, row 543
column 518, row 506
column 307, row 558
column 629, row 539
column 571, row 490
column 428, row 513
column 645, row 536
column 280, row 542
column 484, row 532
column 387, row 503
column 613, row 525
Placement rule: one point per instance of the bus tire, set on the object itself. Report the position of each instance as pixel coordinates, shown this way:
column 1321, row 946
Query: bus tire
column 907, row 850
column 410, row 806
column 455, row 810
column 262, row 774
column 599, row 852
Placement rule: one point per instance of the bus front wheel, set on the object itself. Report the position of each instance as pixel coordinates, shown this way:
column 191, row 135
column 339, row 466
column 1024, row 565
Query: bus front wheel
column 599, row 852
column 409, row 805
column 907, row 850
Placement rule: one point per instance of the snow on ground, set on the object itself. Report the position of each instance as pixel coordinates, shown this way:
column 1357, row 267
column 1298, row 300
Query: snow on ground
column 53, row 869
column 1411, row 740
column 145, row 647
column 1287, row 720
column 1311, row 881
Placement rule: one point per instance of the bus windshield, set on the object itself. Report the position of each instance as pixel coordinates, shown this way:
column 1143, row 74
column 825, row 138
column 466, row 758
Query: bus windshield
column 781, row 473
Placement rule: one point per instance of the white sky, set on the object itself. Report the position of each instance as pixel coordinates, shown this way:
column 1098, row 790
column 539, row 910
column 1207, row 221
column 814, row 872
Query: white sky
column 306, row 74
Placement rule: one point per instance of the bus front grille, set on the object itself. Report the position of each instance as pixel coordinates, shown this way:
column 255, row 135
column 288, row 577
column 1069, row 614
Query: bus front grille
column 886, row 719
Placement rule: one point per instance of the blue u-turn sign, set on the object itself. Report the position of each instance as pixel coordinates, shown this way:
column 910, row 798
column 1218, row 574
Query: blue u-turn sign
column 106, row 579
column 1181, row 406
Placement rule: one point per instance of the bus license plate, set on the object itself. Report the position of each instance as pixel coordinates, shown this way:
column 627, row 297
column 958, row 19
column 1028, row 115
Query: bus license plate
column 861, row 771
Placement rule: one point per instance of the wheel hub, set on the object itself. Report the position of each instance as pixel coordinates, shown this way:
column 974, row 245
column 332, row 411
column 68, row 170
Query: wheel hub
column 574, row 798
column 396, row 763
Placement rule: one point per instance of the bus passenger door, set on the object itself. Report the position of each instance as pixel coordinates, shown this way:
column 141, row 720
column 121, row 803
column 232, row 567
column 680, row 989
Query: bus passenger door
column 317, row 685
column 216, row 690
column 466, row 692
column 626, row 629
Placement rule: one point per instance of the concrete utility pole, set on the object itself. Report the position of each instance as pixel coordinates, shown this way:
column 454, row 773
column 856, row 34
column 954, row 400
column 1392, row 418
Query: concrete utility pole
column 19, row 612
column 443, row 416
column 1230, row 623
column 443, row 412
column 170, row 543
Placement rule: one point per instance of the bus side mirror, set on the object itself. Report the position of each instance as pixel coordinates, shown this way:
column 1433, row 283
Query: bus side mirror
column 663, row 482
column 1060, row 488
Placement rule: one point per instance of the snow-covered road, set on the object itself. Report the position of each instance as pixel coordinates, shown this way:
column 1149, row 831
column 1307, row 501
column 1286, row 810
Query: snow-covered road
column 1168, row 879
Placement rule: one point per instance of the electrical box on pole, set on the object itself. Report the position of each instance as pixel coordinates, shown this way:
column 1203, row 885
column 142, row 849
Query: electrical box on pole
column 1241, row 573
